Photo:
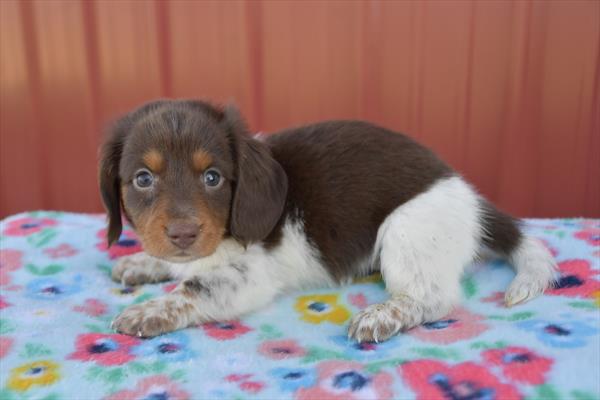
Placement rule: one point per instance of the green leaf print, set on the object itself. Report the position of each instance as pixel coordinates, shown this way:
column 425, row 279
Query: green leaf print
column 486, row 346
column 142, row 298
column 42, row 237
column 105, row 268
column 469, row 287
column 35, row 350
column 579, row 395
column 584, row 305
column 375, row 367
column 6, row 326
column 436, row 352
column 514, row 317
column 269, row 332
column 317, row 353
column 49, row 270
column 178, row 374
column 546, row 392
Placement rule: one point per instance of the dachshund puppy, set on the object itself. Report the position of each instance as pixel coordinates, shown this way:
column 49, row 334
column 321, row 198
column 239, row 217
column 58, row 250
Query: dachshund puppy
column 240, row 221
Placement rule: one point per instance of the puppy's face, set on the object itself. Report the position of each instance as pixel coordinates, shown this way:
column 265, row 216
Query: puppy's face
column 184, row 174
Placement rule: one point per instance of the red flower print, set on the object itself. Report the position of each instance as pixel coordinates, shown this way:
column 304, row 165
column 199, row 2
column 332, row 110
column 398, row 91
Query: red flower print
column 104, row 349
column 10, row 260
column 496, row 297
column 346, row 380
column 225, row 330
column 431, row 379
column 243, row 381
column 281, row 349
column 168, row 288
column 26, row 226
column 92, row 307
column 60, row 251
column 590, row 235
column 358, row 300
column 5, row 345
column 458, row 325
column 575, row 280
column 519, row 364
column 252, row 386
column 126, row 245
column 153, row 387
column 3, row 304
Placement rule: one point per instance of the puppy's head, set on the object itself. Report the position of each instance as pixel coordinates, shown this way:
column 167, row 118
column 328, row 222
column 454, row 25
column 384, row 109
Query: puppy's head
column 186, row 175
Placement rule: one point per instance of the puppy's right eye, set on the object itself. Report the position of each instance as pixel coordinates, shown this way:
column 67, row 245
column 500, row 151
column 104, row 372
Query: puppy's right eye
column 143, row 179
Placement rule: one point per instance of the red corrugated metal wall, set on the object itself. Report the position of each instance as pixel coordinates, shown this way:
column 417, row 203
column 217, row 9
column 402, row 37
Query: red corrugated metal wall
column 506, row 91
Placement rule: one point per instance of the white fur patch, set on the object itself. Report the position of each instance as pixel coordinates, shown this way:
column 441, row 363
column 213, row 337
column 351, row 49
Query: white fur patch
column 536, row 271
column 424, row 245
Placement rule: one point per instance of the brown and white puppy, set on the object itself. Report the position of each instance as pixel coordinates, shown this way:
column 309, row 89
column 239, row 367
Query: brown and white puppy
column 241, row 221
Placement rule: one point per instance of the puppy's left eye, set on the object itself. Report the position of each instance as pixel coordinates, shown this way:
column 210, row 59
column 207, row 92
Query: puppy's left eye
column 212, row 178
column 143, row 179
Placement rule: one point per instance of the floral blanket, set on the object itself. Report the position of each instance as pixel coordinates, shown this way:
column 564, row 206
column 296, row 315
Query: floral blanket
column 57, row 301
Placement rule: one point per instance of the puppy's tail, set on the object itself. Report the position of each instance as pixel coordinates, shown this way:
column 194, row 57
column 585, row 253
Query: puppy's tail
column 535, row 267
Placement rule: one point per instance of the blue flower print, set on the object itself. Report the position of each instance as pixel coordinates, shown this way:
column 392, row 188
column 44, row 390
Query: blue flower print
column 566, row 334
column 364, row 350
column 52, row 289
column 292, row 379
column 172, row 347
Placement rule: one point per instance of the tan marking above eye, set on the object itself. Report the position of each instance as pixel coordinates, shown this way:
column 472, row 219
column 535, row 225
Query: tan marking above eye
column 201, row 160
column 154, row 160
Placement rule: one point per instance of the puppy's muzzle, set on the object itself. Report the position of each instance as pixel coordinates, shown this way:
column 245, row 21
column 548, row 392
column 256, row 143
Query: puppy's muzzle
column 182, row 234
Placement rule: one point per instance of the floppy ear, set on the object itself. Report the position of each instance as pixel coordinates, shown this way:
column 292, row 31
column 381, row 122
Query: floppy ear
column 261, row 185
column 110, row 183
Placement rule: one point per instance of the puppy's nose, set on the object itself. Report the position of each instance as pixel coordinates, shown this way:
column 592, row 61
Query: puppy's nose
column 182, row 234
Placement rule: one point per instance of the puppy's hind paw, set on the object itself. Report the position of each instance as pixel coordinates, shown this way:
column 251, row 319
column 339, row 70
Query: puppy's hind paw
column 524, row 288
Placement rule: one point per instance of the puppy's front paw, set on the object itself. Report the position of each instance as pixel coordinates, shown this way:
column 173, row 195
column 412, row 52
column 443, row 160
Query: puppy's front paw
column 147, row 319
column 138, row 269
column 375, row 323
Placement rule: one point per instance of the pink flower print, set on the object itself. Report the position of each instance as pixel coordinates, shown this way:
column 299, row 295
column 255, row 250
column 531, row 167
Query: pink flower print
column 153, row 387
column 10, row 260
column 431, row 379
column 281, row 349
column 27, row 225
column 590, row 235
column 346, row 380
column 576, row 280
column 458, row 325
column 5, row 345
column 126, row 245
column 104, row 349
column 520, row 364
column 225, row 330
column 60, row 251
column 92, row 307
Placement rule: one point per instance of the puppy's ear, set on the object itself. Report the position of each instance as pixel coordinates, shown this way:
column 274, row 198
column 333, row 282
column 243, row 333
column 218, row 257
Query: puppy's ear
column 261, row 184
column 110, row 183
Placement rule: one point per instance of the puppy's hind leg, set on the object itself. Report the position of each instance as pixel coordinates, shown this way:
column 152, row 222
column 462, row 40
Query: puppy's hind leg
column 422, row 248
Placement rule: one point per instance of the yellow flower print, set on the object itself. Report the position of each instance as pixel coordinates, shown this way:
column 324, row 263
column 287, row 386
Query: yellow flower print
column 596, row 296
column 322, row 307
column 41, row 373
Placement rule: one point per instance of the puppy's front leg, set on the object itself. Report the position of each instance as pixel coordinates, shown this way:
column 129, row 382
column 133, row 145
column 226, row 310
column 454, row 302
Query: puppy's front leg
column 140, row 268
column 223, row 293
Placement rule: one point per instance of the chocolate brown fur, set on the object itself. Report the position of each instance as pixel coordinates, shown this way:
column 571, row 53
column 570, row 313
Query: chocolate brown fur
column 341, row 179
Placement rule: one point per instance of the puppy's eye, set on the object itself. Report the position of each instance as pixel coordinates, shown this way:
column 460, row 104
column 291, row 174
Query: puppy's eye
column 212, row 178
column 143, row 179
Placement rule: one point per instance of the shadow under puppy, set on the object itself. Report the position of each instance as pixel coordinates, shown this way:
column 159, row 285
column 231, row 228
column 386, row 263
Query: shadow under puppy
column 240, row 221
